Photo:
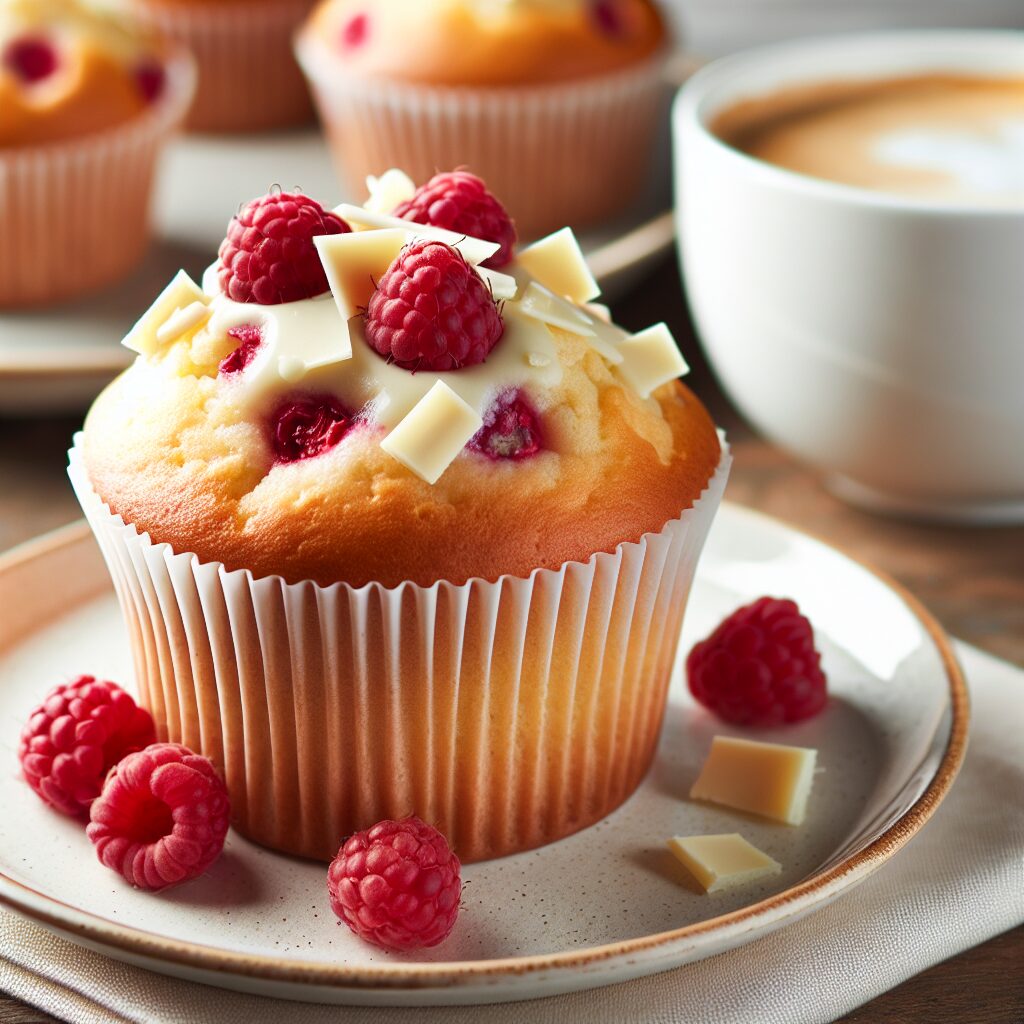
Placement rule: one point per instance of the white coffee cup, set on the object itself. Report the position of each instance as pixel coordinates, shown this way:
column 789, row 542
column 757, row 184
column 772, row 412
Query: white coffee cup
column 877, row 337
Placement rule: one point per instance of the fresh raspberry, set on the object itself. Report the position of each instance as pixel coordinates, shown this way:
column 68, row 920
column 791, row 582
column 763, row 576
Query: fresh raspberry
column 355, row 31
column 303, row 428
column 76, row 736
column 432, row 311
column 397, row 884
column 760, row 666
column 269, row 256
column 150, row 77
column 161, row 818
column 250, row 337
column 510, row 430
column 459, row 201
column 31, row 58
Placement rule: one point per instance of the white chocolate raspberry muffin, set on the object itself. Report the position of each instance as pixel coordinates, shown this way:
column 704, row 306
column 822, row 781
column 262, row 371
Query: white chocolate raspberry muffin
column 555, row 104
column 438, row 515
column 87, row 101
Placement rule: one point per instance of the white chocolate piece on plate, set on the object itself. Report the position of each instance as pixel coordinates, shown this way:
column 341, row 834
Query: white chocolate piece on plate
column 354, row 262
column 722, row 861
column 389, row 191
column 559, row 264
column 768, row 779
column 181, row 293
column 474, row 250
column 540, row 304
column 433, row 433
column 650, row 359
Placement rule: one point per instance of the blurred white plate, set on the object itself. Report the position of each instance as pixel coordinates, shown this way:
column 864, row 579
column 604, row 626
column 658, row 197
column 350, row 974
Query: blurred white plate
column 602, row 906
column 57, row 360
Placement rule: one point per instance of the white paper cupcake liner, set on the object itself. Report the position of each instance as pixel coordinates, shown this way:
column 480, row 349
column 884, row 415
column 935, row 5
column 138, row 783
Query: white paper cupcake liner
column 248, row 78
column 566, row 153
column 75, row 215
column 507, row 713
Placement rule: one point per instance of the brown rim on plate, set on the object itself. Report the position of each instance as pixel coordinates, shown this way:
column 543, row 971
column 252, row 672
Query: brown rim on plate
column 401, row 976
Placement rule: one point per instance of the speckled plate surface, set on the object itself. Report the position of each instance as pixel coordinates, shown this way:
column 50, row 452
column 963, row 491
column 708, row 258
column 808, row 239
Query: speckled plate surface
column 603, row 906
column 57, row 360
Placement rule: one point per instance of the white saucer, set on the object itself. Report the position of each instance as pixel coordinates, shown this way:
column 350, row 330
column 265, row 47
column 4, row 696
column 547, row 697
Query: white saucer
column 605, row 905
column 56, row 360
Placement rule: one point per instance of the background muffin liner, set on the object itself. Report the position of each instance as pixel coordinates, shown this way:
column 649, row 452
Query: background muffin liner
column 562, row 153
column 507, row 713
column 75, row 215
column 248, row 78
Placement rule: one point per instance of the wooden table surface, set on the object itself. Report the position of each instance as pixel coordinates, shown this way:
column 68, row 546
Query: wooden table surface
column 972, row 579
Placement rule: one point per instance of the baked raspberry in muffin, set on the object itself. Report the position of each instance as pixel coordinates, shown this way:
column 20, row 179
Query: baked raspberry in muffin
column 555, row 104
column 87, row 101
column 429, row 528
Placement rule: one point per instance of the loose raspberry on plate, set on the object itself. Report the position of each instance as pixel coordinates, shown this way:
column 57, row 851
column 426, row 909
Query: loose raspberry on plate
column 76, row 736
column 303, row 428
column 510, row 430
column 31, row 58
column 397, row 884
column 432, row 311
column 161, row 818
column 269, row 257
column 760, row 666
column 249, row 337
column 459, row 201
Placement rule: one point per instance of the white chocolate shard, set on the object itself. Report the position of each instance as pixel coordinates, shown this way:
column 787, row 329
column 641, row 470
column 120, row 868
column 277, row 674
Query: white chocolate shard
column 540, row 304
column 502, row 286
column 559, row 264
column 389, row 191
column 182, row 322
column 433, row 433
column 722, row 861
column 598, row 311
column 354, row 262
column 650, row 359
column 181, row 293
column 768, row 779
column 474, row 250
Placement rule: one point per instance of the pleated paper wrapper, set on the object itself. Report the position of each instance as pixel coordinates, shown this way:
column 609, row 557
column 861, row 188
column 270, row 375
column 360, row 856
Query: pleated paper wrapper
column 248, row 78
column 75, row 215
column 563, row 153
column 508, row 713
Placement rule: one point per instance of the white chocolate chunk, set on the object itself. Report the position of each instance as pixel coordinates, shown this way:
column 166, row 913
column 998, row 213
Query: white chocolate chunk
column 540, row 304
column 433, row 433
column 598, row 311
column 183, row 321
column 502, row 286
column 474, row 250
column 538, row 359
column 768, row 779
column 650, row 359
column 559, row 264
column 389, row 191
column 181, row 293
column 723, row 861
column 354, row 262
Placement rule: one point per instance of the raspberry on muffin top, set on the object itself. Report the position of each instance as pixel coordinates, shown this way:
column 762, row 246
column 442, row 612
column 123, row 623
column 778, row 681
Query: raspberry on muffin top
column 383, row 405
column 487, row 42
column 69, row 68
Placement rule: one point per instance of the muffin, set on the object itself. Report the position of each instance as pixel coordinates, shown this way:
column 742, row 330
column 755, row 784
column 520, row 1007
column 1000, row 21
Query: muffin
column 395, row 531
column 87, row 102
column 248, row 78
column 554, row 104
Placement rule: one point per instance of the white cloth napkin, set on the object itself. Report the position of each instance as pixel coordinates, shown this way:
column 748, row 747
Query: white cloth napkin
column 956, row 884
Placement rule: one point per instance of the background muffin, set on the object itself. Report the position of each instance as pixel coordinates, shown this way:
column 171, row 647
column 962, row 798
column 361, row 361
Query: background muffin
column 248, row 78
column 87, row 101
column 555, row 104
column 397, row 525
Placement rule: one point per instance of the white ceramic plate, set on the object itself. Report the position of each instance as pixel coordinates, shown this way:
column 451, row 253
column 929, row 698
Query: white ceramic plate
column 603, row 906
column 57, row 360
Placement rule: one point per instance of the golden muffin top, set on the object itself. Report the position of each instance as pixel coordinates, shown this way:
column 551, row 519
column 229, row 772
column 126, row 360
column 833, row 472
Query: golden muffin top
column 390, row 392
column 69, row 68
column 486, row 42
